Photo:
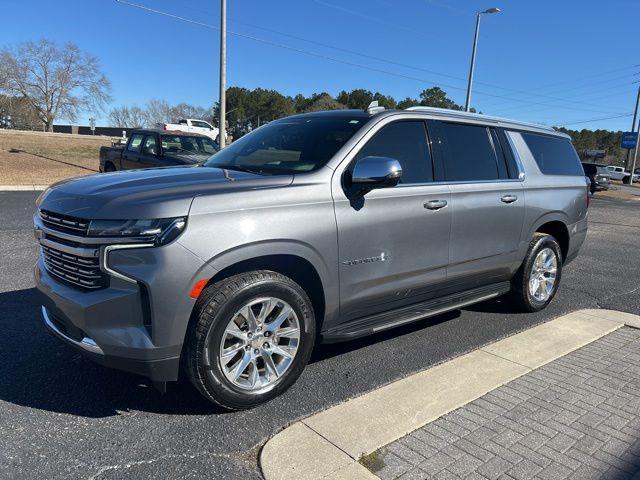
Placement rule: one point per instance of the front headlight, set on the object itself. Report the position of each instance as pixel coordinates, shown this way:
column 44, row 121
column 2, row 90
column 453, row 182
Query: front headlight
column 159, row 231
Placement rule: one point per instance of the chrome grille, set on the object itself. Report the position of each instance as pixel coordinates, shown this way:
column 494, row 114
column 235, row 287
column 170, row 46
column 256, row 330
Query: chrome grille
column 64, row 223
column 77, row 270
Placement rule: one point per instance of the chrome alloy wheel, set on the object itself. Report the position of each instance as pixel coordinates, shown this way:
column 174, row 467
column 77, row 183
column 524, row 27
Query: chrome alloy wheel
column 543, row 275
column 259, row 344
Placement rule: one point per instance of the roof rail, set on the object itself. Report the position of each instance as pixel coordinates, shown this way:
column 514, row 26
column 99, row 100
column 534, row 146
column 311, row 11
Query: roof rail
column 480, row 116
column 374, row 108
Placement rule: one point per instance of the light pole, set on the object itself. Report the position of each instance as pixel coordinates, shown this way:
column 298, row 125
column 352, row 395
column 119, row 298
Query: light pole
column 223, row 74
column 633, row 128
column 473, row 55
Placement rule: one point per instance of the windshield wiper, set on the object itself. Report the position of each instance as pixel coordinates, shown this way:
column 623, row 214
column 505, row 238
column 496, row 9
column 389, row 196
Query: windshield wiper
column 241, row 168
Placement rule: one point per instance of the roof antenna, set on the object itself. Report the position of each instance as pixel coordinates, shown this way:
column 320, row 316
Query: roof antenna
column 374, row 108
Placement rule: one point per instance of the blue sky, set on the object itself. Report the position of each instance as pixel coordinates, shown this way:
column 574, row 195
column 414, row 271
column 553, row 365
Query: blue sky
column 549, row 61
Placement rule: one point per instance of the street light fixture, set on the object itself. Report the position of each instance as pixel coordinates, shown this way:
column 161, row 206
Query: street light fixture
column 473, row 54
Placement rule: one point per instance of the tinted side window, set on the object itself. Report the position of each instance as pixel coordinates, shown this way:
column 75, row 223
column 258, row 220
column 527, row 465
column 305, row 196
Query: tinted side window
column 407, row 143
column 554, row 155
column 589, row 169
column 467, row 151
column 134, row 144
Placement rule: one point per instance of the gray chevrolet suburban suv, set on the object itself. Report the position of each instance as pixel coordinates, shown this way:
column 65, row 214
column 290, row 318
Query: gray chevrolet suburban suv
column 323, row 226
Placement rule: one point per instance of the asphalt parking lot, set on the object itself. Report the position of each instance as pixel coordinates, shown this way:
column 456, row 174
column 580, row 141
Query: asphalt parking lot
column 63, row 417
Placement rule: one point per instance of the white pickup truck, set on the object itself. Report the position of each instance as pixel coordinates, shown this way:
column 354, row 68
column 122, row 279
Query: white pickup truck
column 619, row 173
column 194, row 126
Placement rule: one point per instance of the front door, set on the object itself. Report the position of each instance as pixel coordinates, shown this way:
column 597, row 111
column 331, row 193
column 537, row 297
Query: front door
column 149, row 154
column 393, row 246
column 131, row 153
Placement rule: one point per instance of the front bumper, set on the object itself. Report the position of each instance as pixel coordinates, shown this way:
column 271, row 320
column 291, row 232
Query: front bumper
column 160, row 370
column 137, row 325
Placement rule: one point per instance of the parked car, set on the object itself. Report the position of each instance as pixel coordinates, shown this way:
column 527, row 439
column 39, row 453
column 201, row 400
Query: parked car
column 328, row 226
column 192, row 125
column 619, row 173
column 157, row 148
column 598, row 176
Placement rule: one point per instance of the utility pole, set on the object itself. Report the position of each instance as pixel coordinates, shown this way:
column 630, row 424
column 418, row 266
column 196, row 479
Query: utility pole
column 223, row 74
column 633, row 129
column 467, row 103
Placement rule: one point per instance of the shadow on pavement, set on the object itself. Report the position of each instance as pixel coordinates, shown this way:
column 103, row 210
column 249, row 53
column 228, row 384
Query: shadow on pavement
column 39, row 371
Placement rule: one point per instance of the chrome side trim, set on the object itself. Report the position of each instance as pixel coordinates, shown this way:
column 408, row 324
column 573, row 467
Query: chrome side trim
column 86, row 343
column 104, row 259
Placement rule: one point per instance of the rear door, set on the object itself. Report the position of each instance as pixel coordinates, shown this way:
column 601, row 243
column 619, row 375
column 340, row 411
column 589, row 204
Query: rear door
column 131, row 153
column 487, row 201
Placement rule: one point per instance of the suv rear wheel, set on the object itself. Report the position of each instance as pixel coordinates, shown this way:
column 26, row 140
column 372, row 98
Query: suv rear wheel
column 250, row 337
column 536, row 282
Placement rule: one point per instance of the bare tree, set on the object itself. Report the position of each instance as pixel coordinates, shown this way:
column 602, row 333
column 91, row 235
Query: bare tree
column 127, row 117
column 157, row 111
column 56, row 81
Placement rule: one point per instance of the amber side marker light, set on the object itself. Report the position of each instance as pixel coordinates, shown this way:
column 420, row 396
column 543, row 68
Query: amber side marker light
column 198, row 287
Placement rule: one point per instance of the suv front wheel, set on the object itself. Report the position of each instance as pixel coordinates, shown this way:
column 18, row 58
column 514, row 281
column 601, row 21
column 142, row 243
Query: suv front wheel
column 249, row 339
column 536, row 282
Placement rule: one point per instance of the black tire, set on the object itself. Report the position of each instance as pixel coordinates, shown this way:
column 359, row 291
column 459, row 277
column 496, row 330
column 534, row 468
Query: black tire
column 109, row 167
column 520, row 295
column 212, row 312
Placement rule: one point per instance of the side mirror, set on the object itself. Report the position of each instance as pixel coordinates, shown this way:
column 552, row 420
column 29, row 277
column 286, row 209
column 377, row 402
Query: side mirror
column 370, row 173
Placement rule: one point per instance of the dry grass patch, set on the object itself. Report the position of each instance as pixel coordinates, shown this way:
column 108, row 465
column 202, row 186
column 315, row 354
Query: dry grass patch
column 617, row 194
column 34, row 158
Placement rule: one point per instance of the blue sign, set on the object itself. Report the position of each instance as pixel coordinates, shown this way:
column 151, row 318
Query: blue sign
column 629, row 139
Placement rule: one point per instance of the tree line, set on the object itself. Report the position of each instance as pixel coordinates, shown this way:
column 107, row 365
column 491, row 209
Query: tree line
column 247, row 109
column 599, row 139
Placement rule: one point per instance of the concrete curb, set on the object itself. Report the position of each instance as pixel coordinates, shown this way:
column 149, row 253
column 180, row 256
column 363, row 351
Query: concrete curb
column 329, row 444
column 21, row 188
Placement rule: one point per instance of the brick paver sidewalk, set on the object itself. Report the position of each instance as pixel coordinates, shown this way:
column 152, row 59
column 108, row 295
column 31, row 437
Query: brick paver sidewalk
column 577, row 417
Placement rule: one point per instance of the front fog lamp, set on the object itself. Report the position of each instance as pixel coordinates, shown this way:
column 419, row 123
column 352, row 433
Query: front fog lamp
column 160, row 231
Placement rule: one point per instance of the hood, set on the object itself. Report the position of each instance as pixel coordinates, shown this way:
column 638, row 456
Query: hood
column 149, row 193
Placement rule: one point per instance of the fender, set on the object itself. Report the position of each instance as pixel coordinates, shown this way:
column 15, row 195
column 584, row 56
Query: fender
column 328, row 274
column 555, row 216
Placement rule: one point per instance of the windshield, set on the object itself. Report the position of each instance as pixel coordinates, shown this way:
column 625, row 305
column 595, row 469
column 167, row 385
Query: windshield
column 290, row 145
column 188, row 145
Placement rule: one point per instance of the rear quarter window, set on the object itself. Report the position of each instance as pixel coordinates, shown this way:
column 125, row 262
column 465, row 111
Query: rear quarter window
column 554, row 155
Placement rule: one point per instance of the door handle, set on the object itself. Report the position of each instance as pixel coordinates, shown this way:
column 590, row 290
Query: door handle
column 435, row 204
column 509, row 198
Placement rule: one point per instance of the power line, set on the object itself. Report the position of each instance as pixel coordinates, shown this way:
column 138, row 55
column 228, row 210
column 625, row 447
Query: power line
column 413, row 67
column 400, row 64
column 574, row 87
column 345, row 62
column 596, row 119
column 374, row 19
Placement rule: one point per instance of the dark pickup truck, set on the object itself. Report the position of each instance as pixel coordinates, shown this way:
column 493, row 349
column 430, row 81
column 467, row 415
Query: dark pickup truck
column 157, row 148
